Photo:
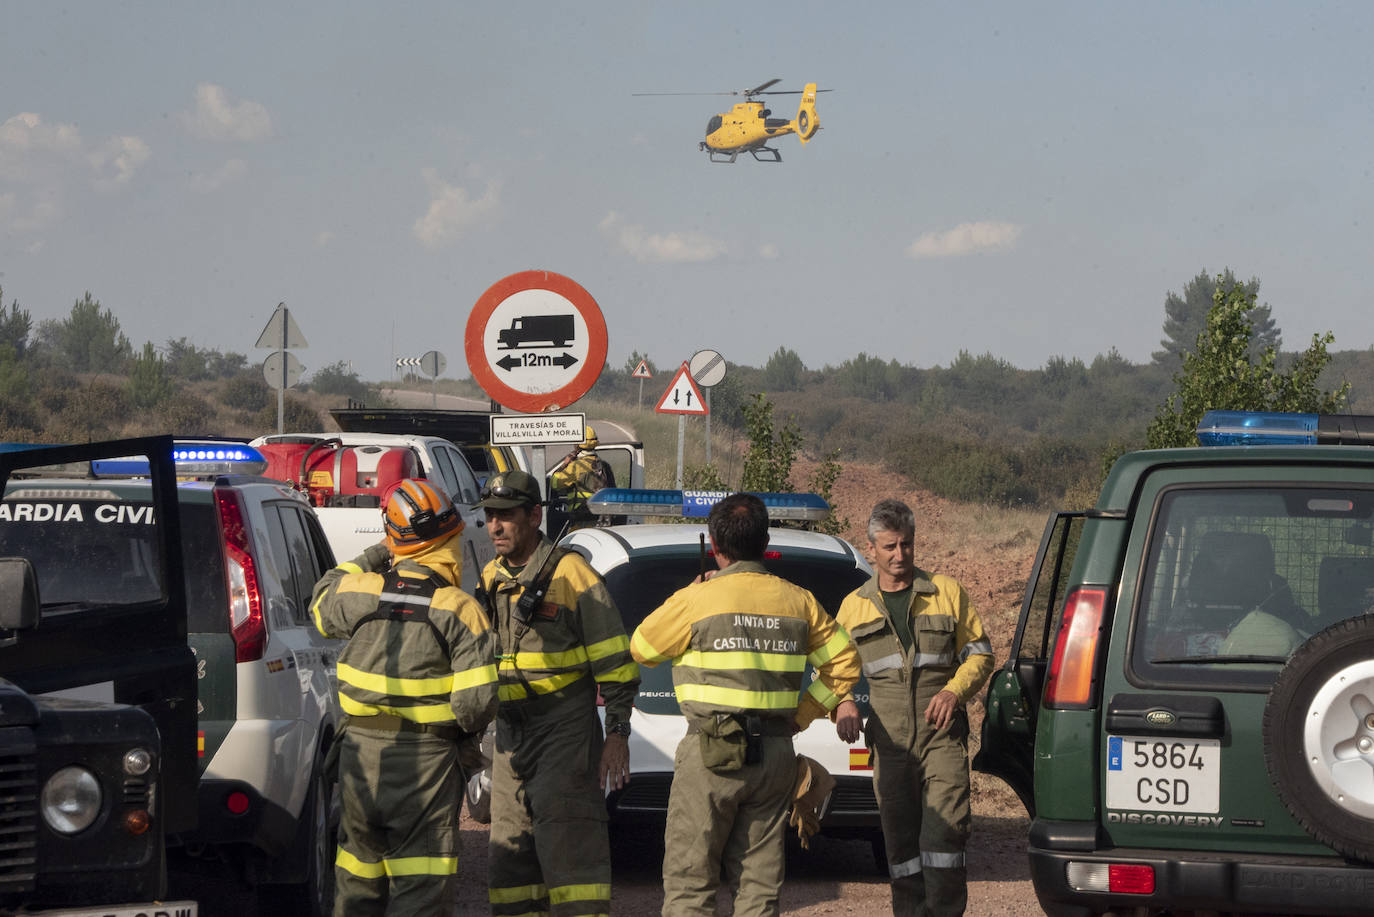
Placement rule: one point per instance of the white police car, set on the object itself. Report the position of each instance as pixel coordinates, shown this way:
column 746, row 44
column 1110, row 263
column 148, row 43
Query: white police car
column 267, row 699
column 644, row 564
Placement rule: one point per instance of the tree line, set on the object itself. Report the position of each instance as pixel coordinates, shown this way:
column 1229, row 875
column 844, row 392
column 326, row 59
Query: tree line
column 80, row 378
column 977, row 429
column 982, row 429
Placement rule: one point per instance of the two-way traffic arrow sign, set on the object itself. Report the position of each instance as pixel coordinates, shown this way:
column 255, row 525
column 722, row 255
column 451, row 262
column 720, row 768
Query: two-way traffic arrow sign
column 682, row 396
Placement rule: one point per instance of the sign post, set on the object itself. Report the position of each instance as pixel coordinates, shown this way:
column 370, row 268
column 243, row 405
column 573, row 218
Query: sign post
column 536, row 342
column 431, row 364
column 682, row 398
column 708, row 369
column 281, row 369
column 641, row 373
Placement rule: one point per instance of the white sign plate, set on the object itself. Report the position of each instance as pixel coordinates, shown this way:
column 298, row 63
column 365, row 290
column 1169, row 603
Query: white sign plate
column 682, row 396
column 537, row 429
column 708, row 367
column 281, row 331
column 1157, row 774
column 272, row 369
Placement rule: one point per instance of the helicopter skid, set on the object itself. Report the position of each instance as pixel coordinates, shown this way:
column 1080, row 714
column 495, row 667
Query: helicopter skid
column 771, row 155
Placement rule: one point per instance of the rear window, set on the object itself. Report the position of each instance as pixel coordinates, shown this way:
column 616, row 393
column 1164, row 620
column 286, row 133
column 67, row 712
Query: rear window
column 642, row 585
column 94, row 553
column 646, row 582
column 1237, row 578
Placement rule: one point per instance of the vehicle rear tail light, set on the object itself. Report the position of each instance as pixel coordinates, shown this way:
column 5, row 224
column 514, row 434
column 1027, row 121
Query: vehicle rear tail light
column 1117, row 878
column 237, row 802
column 1070, row 681
column 246, row 623
column 1131, row 879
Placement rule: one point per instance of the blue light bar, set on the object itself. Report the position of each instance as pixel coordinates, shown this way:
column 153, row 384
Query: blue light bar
column 192, row 459
column 625, row 501
column 1257, row 428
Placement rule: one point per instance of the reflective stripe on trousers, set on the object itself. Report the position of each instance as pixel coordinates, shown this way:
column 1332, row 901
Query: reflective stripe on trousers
column 927, row 859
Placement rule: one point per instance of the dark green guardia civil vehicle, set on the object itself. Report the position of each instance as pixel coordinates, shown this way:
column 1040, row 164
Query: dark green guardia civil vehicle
column 1188, row 709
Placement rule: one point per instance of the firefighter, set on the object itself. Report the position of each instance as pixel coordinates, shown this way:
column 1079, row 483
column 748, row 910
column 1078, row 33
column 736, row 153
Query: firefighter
column 925, row 654
column 561, row 642
column 572, row 483
column 417, row 676
column 739, row 641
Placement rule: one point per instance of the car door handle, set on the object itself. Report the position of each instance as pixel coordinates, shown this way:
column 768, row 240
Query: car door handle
column 1166, row 715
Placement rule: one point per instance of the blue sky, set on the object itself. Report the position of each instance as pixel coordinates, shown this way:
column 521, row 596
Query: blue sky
column 1028, row 180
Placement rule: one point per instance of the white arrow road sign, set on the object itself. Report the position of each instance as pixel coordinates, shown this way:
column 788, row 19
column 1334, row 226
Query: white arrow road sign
column 682, row 396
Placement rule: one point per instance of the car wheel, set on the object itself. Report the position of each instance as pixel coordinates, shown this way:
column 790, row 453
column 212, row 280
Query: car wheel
column 314, row 895
column 1319, row 736
column 478, row 789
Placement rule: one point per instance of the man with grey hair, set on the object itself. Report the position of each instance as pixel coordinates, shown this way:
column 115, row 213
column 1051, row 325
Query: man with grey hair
column 902, row 621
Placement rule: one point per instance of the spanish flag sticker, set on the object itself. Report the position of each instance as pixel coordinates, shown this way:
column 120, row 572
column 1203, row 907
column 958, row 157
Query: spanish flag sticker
column 200, row 743
column 860, row 759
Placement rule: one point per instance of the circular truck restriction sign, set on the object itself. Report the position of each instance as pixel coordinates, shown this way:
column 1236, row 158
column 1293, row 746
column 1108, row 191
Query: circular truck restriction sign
column 535, row 341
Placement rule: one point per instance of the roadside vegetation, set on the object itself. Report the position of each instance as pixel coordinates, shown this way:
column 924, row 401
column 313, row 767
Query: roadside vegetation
column 976, row 430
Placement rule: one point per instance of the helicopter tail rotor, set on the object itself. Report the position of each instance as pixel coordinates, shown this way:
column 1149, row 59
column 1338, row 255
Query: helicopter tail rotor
column 807, row 121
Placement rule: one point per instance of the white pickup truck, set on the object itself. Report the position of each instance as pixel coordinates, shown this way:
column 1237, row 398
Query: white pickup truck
column 348, row 475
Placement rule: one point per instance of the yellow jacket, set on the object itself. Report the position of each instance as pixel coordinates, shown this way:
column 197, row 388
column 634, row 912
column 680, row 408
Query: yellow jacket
column 577, row 632
column 436, row 668
column 740, row 642
column 949, row 649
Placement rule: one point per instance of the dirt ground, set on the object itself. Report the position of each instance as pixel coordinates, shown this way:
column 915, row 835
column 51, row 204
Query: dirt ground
column 990, row 552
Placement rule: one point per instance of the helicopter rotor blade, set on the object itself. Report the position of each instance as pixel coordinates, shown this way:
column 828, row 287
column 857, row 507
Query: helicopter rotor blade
column 684, row 93
column 757, row 88
column 789, row 92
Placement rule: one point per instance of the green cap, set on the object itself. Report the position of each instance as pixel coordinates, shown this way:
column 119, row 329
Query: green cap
column 509, row 489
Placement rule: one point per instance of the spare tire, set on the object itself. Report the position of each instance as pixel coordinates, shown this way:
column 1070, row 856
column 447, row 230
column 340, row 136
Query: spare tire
column 1319, row 737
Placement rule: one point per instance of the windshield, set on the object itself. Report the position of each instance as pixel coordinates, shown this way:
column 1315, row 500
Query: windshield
column 1236, row 579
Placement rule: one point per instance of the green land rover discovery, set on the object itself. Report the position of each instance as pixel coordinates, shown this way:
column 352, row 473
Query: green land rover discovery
column 1188, row 708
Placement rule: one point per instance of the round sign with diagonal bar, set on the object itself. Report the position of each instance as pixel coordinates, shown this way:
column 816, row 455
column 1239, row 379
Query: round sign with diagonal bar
column 707, row 367
column 535, row 341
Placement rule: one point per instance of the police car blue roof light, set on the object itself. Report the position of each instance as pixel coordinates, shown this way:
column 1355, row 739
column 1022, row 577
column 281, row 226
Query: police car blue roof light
column 625, row 501
column 1256, row 428
column 1279, row 428
column 191, row 459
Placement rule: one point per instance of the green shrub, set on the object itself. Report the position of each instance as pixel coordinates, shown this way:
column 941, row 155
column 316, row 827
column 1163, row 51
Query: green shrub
column 297, row 417
column 248, row 392
column 185, row 414
column 97, row 411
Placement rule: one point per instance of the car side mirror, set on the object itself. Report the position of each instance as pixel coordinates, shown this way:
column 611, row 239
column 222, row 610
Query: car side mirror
column 19, row 604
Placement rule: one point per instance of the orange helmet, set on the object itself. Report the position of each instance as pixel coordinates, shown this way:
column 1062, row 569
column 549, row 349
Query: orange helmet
column 417, row 514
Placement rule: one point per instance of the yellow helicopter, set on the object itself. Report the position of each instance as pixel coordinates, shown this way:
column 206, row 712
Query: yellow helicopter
column 747, row 127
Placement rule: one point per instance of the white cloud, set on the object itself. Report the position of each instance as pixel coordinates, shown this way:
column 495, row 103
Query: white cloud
column 27, row 135
column 26, row 216
column 218, row 117
column 230, row 171
column 452, row 209
column 116, row 160
column 965, row 239
column 45, row 158
column 769, row 251
column 323, row 238
column 645, row 246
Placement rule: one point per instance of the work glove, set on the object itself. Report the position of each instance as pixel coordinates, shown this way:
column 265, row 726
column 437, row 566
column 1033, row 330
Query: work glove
column 810, row 798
